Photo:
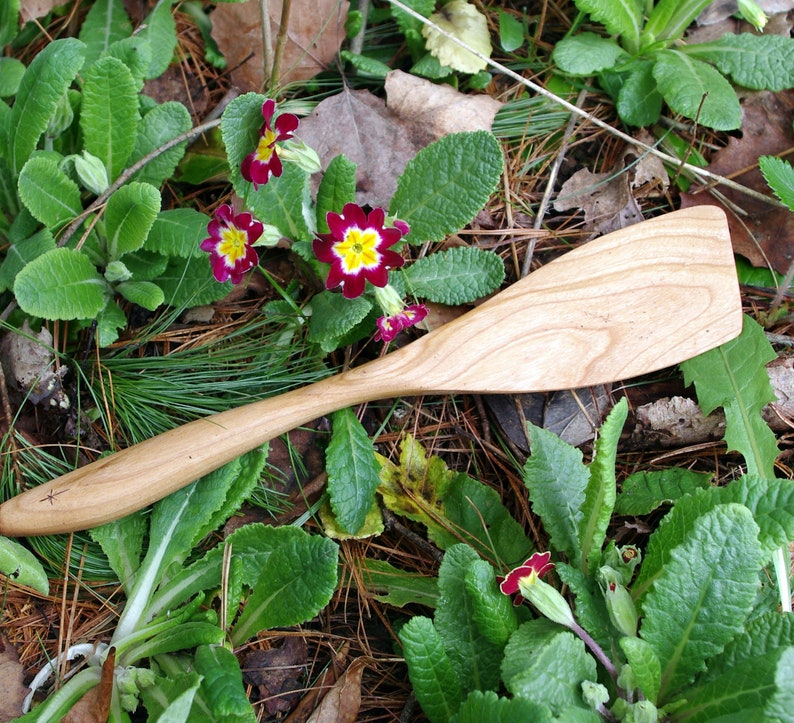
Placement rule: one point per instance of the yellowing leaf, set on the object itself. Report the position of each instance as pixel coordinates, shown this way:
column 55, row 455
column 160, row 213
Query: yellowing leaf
column 468, row 25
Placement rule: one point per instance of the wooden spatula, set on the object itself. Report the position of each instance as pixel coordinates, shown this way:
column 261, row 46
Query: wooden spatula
column 631, row 302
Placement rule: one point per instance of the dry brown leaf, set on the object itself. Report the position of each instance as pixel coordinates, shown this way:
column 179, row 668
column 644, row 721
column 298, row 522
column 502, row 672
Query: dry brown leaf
column 277, row 674
column 31, row 9
column 11, row 677
column 342, row 702
column 436, row 110
column 765, row 236
column 359, row 125
column 316, row 31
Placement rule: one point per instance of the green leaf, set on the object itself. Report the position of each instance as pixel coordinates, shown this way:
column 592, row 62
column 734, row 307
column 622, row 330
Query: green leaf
column 11, row 73
column 136, row 54
column 20, row 253
column 366, row 65
column 169, row 700
column 779, row 707
column 619, row 17
column 337, row 187
column 292, row 588
column 703, row 595
column 9, row 21
column 333, row 315
column 557, row 479
column 511, row 32
column 19, row 565
column 486, row 705
column 106, row 22
column 178, row 232
column 475, row 656
column 547, row 665
column 352, row 471
column 446, row 184
column 643, row 492
column 110, row 321
column 601, row 490
column 61, row 284
column 433, row 675
column 240, row 126
column 734, row 376
column 455, row 276
column 48, row 193
column 493, row 612
column 142, row 293
column 393, row 586
column 697, row 90
column 160, row 125
column 283, row 201
column 644, row 664
column 122, row 543
column 109, row 115
column 159, row 29
column 670, row 18
column 590, row 606
column 586, row 54
column 760, row 62
column 639, row 102
column 129, row 215
column 222, row 684
column 189, row 282
column 779, row 174
column 47, row 78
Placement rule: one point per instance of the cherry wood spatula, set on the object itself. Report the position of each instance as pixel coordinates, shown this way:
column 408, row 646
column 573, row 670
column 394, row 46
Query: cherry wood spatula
column 631, row 302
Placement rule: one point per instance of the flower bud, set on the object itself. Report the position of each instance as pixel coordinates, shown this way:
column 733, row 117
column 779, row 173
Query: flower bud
column 389, row 300
column 117, row 271
column 270, row 236
column 643, row 711
column 547, row 600
column 61, row 118
column 595, row 695
column 621, row 608
column 751, row 11
column 297, row 152
column 91, row 172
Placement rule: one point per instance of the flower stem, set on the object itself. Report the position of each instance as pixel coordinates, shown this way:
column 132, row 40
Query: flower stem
column 596, row 650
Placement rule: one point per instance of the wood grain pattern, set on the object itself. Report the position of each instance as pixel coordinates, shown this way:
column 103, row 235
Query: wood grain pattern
column 631, row 302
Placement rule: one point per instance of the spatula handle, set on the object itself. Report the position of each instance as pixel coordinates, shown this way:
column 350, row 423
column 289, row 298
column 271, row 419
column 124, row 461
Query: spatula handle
column 138, row 476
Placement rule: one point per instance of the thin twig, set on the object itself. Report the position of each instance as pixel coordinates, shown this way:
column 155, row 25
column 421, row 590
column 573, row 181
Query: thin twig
column 267, row 38
column 281, row 43
column 701, row 173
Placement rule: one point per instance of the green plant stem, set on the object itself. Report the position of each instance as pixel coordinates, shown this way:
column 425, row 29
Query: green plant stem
column 703, row 175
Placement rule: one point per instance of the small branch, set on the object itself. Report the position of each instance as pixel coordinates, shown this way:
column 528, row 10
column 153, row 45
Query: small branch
column 281, row 43
column 267, row 38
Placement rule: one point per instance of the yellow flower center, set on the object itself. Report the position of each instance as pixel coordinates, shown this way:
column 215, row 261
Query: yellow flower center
column 358, row 250
column 263, row 148
column 233, row 243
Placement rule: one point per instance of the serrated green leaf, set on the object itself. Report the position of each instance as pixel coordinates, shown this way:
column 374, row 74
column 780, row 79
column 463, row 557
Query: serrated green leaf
column 476, row 515
column 122, row 543
column 644, row 664
column 189, row 282
column 639, row 102
column 486, row 705
column 283, row 202
column 586, row 54
column 178, row 232
column 47, row 78
column 691, row 613
column 106, row 22
column 11, row 74
column 136, row 54
column 455, row 276
column 159, row 29
column 337, row 187
column 143, row 293
column 619, row 17
column 9, row 21
column 292, row 587
column 547, row 665
column 145, row 265
column 779, row 174
column 333, row 315
column 601, row 490
column 109, row 321
column 511, row 32
column 781, row 704
column 160, row 125
column 352, row 470
column 446, row 184
column 492, row 611
column 20, row 566
column 130, row 213
column 734, row 376
column 557, row 479
column 240, row 126
column 760, row 62
column 434, row 677
column 109, row 115
column 222, row 684
column 643, row 492
column 397, row 587
column 20, row 253
column 61, row 284
column 366, row 65
column 48, row 193
column 697, row 90
column 474, row 655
